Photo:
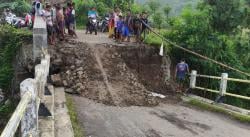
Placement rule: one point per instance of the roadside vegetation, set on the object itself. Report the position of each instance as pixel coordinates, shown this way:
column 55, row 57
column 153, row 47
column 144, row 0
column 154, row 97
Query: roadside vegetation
column 222, row 34
column 213, row 108
column 78, row 132
column 10, row 41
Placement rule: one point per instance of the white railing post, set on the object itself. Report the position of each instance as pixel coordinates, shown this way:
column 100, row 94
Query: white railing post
column 193, row 79
column 29, row 122
column 38, row 77
column 223, row 84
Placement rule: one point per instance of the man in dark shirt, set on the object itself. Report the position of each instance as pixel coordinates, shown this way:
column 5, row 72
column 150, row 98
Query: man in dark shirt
column 180, row 73
column 144, row 19
column 137, row 28
column 128, row 26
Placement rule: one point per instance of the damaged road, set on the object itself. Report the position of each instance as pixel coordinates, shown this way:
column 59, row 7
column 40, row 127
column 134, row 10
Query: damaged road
column 111, row 87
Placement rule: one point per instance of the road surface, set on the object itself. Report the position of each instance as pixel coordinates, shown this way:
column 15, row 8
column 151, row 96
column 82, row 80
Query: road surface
column 165, row 120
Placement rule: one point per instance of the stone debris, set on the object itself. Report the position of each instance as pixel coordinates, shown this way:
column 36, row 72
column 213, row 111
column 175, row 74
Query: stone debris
column 56, row 79
column 112, row 83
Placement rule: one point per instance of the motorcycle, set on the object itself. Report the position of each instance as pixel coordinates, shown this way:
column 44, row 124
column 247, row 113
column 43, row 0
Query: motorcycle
column 92, row 26
column 19, row 23
column 104, row 25
column 11, row 19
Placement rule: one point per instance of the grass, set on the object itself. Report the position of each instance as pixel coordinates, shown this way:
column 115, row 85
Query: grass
column 213, row 108
column 80, row 26
column 78, row 132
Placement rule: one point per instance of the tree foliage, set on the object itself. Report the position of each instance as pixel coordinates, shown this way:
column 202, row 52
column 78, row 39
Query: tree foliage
column 225, row 15
column 18, row 7
column 201, row 30
column 158, row 19
column 154, row 5
column 10, row 40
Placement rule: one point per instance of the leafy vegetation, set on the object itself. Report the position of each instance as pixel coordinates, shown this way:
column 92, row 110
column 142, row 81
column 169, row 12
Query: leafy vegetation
column 10, row 41
column 18, row 7
column 103, row 7
column 176, row 5
column 73, row 117
column 201, row 30
column 213, row 108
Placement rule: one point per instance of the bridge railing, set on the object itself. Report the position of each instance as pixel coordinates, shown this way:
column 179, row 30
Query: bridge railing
column 32, row 90
column 223, row 84
column 27, row 109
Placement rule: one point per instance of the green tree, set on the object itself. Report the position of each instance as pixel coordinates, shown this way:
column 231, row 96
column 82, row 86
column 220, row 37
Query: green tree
column 18, row 7
column 154, row 5
column 158, row 19
column 167, row 10
column 226, row 15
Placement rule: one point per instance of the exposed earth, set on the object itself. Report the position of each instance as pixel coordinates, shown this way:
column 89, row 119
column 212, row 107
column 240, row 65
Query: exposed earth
column 111, row 85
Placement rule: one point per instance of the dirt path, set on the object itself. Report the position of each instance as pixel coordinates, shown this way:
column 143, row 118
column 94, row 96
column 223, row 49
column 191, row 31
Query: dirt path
column 93, row 39
column 110, row 79
column 115, row 99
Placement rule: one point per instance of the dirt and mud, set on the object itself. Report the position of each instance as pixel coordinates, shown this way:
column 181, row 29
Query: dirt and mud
column 113, row 83
column 112, row 75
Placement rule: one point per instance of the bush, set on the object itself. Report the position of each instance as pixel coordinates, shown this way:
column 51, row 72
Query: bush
column 10, row 40
column 19, row 7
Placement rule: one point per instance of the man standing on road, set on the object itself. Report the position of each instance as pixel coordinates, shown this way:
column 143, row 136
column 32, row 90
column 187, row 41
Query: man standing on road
column 128, row 26
column 180, row 73
column 144, row 19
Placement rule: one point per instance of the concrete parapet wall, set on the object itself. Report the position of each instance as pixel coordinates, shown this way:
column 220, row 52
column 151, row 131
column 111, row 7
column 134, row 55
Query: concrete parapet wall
column 36, row 87
column 32, row 90
column 27, row 110
column 39, row 37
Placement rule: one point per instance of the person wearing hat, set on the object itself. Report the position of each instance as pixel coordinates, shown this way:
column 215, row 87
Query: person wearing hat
column 39, row 7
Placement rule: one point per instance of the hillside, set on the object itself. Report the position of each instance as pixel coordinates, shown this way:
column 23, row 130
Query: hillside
column 176, row 5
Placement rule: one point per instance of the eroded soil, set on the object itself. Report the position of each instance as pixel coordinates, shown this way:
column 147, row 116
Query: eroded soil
column 119, row 76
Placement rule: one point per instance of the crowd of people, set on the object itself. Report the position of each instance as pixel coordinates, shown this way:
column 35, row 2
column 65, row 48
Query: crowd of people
column 122, row 27
column 58, row 19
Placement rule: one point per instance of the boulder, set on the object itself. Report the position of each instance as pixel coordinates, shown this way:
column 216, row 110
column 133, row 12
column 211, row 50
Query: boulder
column 80, row 73
column 56, row 80
column 72, row 67
column 68, row 72
column 65, row 83
column 78, row 63
column 70, row 91
column 58, row 62
column 80, row 69
column 79, row 85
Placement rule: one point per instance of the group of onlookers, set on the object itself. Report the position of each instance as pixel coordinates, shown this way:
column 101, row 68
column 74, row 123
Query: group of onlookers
column 57, row 18
column 122, row 27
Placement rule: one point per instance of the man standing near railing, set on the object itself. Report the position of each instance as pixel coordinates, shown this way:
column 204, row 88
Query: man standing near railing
column 180, row 74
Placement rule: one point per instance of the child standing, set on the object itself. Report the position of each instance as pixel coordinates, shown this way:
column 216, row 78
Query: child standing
column 120, row 25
